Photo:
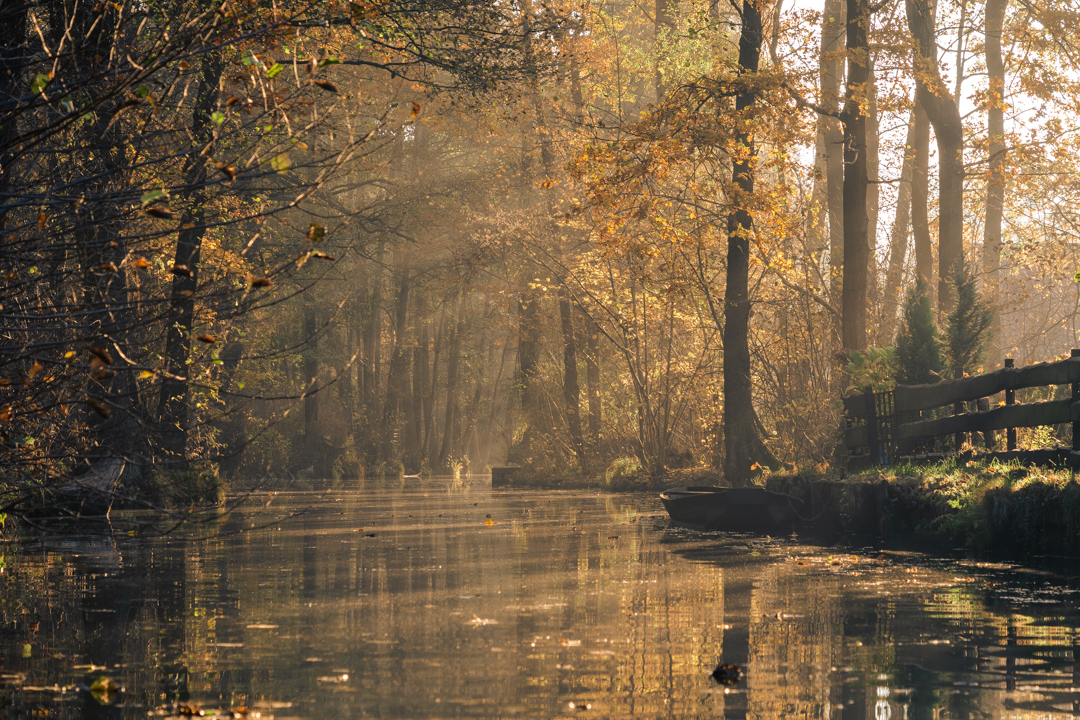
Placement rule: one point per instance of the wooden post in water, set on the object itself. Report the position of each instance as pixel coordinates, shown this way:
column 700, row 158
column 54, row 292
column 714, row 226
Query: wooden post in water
column 1010, row 399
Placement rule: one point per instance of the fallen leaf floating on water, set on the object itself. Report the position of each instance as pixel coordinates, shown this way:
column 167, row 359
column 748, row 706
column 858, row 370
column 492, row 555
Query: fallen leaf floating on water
column 208, row 339
column 344, row 677
column 159, row 212
column 259, row 282
column 229, row 170
column 104, row 690
column 727, row 674
column 326, row 85
column 102, row 355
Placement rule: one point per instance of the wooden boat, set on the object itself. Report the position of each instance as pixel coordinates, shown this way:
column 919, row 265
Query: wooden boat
column 752, row 510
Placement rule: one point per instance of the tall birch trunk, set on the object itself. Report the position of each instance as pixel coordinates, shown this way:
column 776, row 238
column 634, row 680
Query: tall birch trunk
column 995, row 186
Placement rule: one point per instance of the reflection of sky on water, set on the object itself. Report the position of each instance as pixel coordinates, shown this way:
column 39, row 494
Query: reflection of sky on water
column 439, row 599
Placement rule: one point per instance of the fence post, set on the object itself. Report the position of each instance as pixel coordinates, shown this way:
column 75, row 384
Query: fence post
column 1075, row 398
column 1010, row 399
column 958, row 409
column 872, row 426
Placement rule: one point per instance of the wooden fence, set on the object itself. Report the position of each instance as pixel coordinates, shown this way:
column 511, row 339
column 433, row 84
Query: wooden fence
column 889, row 425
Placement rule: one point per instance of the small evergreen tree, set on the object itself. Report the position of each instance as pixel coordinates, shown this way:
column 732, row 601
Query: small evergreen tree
column 918, row 352
column 968, row 326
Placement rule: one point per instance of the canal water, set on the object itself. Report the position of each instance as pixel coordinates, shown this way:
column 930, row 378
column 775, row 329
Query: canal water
column 442, row 599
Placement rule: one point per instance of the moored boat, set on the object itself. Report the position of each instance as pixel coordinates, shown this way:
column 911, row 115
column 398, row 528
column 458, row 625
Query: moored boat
column 753, row 510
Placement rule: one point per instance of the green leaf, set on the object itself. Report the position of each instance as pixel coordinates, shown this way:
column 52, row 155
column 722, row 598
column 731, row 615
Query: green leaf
column 274, row 70
column 251, row 58
column 39, row 83
column 152, row 195
column 217, row 117
column 329, row 61
column 142, row 91
column 281, row 163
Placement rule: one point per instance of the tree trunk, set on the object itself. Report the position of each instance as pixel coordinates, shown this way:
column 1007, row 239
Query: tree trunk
column 831, row 74
column 430, row 429
column 528, row 356
column 945, row 117
column 12, row 58
column 370, row 362
column 397, row 374
column 312, row 440
column 571, row 389
column 856, row 248
column 743, row 445
column 470, row 443
column 920, row 195
column 421, row 382
column 661, row 27
column 995, row 184
column 898, row 245
column 873, row 195
column 174, row 404
column 592, row 381
column 452, row 380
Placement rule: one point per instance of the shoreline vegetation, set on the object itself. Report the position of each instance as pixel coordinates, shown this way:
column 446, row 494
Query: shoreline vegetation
column 985, row 508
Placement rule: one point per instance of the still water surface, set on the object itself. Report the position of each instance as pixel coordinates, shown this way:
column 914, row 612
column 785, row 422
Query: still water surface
column 429, row 599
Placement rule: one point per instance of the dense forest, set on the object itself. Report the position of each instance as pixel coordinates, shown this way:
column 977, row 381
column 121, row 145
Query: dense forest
column 267, row 238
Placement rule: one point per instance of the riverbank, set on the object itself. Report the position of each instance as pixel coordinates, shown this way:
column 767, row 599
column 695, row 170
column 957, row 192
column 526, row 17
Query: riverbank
column 986, row 508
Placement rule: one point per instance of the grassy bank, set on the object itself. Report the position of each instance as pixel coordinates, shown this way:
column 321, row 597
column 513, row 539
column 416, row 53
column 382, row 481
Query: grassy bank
column 988, row 508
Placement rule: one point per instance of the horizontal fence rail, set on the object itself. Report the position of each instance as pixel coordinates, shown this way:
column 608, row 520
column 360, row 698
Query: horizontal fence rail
column 888, row 423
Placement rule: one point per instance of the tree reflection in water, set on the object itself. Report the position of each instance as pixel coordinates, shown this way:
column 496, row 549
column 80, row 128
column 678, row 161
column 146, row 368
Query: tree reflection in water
column 438, row 599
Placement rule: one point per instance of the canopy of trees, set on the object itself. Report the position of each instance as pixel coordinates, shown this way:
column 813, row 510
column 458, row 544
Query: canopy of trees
column 435, row 234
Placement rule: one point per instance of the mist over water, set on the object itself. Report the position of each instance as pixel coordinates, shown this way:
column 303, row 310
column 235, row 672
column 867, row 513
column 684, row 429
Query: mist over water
column 435, row 598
